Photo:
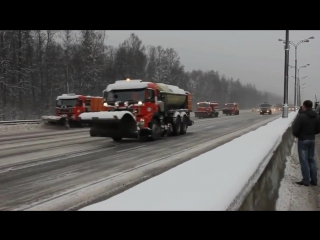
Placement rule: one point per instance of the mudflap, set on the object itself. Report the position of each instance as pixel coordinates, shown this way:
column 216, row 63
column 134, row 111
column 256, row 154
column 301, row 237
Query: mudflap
column 201, row 114
column 55, row 122
column 113, row 124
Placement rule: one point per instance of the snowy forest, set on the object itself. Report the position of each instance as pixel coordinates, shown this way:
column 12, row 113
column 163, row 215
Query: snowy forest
column 38, row 65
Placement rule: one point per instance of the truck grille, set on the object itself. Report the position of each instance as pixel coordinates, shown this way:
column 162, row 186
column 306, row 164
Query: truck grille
column 63, row 110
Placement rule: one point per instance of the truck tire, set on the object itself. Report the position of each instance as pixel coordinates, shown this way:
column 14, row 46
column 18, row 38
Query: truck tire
column 184, row 126
column 155, row 130
column 176, row 127
column 92, row 132
column 117, row 139
column 216, row 114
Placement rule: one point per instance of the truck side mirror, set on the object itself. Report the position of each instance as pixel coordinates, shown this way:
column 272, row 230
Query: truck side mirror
column 161, row 94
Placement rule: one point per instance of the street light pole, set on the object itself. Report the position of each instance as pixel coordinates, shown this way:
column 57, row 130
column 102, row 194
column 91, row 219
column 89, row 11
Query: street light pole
column 300, row 92
column 295, row 72
column 299, row 79
column 298, row 99
column 286, row 70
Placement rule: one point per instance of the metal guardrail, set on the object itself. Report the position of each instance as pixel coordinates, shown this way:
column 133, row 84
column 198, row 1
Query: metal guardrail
column 16, row 122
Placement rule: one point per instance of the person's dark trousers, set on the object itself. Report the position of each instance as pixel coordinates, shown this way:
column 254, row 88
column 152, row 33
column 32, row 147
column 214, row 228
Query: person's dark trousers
column 306, row 150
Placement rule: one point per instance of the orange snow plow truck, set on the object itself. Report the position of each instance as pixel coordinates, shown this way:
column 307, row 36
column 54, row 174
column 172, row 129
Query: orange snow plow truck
column 142, row 110
column 207, row 109
column 70, row 106
column 231, row 109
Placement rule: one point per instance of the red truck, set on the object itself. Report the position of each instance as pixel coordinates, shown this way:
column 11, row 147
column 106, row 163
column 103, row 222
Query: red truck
column 68, row 108
column 231, row 109
column 143, row 110
column 207, row 109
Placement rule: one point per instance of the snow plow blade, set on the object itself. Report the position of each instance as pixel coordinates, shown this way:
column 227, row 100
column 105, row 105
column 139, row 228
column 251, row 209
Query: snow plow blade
column 202, row 114
column 54, row 122
column 111, row 124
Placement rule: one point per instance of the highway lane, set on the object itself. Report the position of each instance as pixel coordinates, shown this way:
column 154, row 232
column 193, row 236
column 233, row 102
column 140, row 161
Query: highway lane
column 39, row 145
column 44, row 175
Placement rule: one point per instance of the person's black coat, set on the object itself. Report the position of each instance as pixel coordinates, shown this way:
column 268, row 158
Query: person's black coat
column 306, row 125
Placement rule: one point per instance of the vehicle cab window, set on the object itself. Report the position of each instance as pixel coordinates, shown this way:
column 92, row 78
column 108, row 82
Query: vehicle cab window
column 150, row 95
column 88, row 102
column 78, row 102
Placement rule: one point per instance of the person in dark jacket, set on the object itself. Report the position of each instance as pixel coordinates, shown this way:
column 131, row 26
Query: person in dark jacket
column 305, row 127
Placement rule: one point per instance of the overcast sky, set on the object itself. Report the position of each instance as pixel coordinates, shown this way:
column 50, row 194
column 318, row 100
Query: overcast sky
column 252, row 56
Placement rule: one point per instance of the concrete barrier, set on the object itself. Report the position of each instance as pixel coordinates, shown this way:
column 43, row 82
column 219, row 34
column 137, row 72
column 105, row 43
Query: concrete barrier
column 264, row 193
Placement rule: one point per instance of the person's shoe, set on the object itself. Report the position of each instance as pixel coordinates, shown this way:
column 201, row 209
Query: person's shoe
column 302, row 183
column 313, row 183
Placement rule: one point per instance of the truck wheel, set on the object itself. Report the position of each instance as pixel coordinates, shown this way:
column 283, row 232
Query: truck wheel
column 216, row 114
column 177, row 126
column 117, row 139
column 92, row 132
column 155, row 130
column 184, row 126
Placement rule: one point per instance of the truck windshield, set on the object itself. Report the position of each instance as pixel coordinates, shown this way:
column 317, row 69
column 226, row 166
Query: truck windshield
column 265, row 105
column 125, row 95
column 229, row 105
column 66, row 102
column 203, row 105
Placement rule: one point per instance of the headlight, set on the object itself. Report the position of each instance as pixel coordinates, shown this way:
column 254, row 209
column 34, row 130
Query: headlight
column 105, row 104
column 116, row 104
column 140, row 103
column 141, row 122
column 126, row 103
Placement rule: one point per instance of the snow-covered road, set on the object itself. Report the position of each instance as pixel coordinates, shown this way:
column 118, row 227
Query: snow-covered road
column 72, row 169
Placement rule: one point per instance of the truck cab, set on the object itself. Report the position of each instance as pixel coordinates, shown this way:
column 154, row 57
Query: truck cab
column 231, row 109
column 70, row 105
column 207, row 109
column 140, row 99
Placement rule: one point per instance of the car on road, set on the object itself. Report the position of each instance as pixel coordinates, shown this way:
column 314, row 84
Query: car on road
column 290, row 107
column 265, row 108
column 275, row 108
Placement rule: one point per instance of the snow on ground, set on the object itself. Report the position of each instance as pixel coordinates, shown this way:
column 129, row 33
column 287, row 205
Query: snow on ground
column 4, row 129
column 210, row 181
column 293, row 197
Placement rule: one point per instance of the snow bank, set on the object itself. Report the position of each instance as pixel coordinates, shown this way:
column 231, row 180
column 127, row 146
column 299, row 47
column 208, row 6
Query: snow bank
column 210, row 181
column 18, row 128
